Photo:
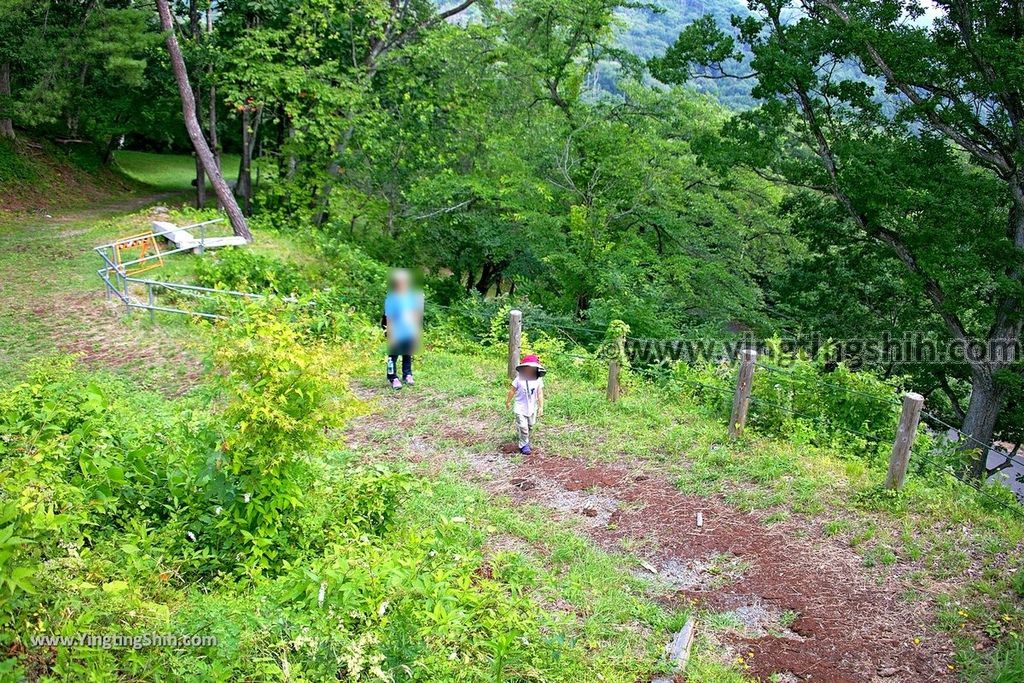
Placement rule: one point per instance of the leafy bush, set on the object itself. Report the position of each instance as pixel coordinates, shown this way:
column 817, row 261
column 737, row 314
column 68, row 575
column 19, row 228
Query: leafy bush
column 327, row 315
column 353, row 279
column 795, row 395
column 855, row 407
column 80, row 460
column 283, row 393
column 247, row 271
column 420, row 602
column 221, row 513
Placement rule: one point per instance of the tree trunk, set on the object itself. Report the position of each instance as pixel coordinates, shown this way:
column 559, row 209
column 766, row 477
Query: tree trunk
column 333, row 172
column 6, row 123
column 982, row 413
column 986, row 394
column 195, row 133
column 484, row 283
column 243, row 186
column 250, row 130
column 200, row 183
column 214, row 144
column 108, row 151
column 197, row 95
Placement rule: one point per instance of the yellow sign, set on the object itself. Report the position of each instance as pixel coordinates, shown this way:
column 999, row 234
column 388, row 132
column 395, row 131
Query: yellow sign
column 139, row 252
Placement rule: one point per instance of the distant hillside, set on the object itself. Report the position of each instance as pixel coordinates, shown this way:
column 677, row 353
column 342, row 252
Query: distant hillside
column 647, row 33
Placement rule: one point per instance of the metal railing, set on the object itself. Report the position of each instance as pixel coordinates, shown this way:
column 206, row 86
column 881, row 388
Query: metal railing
column 118, row 281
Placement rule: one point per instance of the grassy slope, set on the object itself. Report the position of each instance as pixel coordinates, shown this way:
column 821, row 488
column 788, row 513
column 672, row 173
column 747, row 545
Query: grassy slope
column 167, row 171
column 42, row 176
column 53, row 302
column 53, row 299
column 939, row 541
column 48, row 265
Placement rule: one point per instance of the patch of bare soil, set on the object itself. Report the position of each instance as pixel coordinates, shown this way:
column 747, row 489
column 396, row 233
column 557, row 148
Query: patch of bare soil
column 845, row 628
column 798, row 607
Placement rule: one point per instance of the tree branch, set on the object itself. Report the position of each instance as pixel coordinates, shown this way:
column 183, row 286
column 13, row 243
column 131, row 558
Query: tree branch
column 987, row 152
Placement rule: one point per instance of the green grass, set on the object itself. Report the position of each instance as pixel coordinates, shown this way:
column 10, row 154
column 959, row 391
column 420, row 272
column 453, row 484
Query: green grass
column 14, row 167
column 943, row 539
column 937, row 532
column 54, row 300
column 620, row 616
column 168, row 171
column 597, row 603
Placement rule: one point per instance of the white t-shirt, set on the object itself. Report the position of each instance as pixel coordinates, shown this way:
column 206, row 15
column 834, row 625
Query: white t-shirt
column 526, row 395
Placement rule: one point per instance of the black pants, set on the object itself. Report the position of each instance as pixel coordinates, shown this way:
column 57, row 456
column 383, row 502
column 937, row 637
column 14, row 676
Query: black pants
column 403, row 349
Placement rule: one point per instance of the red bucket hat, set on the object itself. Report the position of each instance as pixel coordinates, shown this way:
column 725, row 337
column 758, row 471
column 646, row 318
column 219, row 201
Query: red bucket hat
column 531, row 361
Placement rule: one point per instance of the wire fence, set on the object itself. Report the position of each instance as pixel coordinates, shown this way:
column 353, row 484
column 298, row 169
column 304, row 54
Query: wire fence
column 120, row 281
column 863, row 394
column 875, row 439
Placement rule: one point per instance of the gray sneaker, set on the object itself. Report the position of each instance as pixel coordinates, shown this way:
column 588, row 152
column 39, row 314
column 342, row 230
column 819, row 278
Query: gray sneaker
column 408, row 380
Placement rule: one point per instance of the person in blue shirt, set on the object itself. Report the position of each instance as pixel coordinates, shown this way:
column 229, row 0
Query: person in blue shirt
column 403, row 320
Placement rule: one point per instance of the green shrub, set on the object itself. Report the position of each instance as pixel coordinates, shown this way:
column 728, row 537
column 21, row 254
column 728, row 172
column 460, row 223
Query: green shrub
column 353, row 279
column 329, row 316
column 803, row 398
column 283, row 393
column 82, row 458
column 246, row 271
column 855, row 408
column 420, row 605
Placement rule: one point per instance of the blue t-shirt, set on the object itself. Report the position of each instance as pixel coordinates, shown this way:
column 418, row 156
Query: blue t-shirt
column 403, row 313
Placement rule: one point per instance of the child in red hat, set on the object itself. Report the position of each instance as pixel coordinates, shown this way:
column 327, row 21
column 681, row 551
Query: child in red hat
column 528, row 391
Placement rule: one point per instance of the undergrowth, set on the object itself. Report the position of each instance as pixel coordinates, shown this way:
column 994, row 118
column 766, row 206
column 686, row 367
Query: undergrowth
column 232, row 512
column 229, row 514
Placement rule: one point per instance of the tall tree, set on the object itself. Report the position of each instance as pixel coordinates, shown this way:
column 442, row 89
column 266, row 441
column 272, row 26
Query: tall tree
column 894, row 160
column 195, row 33
column 403, row 22
column 6, row 122
column 74, row 69
column 195, row 133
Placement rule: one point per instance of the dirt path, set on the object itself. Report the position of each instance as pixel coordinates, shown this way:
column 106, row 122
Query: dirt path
column 801, row 604
column 804, row 608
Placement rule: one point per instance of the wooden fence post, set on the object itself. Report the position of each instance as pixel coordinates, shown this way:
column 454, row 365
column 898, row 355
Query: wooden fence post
column 741, row 400
column 614, row 391
column 515, row 333
column 613, row 380
column 905, row 433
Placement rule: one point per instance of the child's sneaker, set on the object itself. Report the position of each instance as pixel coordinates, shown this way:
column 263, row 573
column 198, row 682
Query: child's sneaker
column 525, row 450
column 408, row 380
column 396, row 383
